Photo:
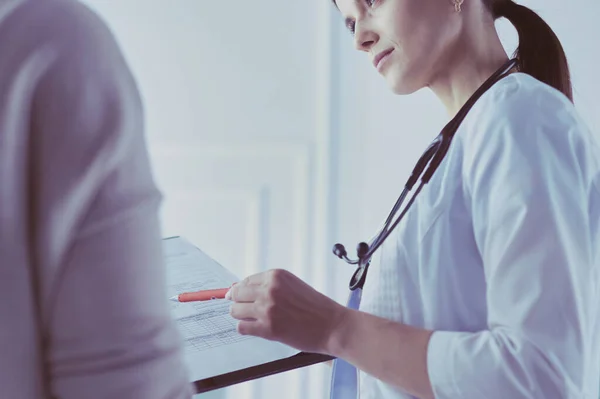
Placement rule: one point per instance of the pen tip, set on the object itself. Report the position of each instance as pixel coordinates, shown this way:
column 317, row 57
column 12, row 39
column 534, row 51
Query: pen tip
column 174, row 298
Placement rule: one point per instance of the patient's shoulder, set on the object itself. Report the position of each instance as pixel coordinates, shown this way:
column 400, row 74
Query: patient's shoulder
column 67, row 27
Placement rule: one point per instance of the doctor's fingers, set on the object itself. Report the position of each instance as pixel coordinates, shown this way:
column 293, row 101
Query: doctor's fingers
column 261, row 278
column 243, row 293
column 243, row 311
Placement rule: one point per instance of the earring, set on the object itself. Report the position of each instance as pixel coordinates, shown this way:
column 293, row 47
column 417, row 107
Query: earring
column 457, row 5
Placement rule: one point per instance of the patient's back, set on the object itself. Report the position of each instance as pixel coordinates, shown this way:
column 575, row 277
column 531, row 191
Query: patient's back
column 83, row 309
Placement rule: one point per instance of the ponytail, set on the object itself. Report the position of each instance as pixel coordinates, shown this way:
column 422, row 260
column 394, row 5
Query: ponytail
column 540, row 53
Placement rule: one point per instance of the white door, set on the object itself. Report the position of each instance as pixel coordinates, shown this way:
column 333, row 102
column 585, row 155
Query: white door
column 238, row 99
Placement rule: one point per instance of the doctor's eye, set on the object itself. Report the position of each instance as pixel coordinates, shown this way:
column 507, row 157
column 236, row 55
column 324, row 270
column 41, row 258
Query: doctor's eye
column 351, row 26
column 371, row 3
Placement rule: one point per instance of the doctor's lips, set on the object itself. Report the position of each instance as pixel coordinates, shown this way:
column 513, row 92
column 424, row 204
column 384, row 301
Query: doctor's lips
column 380, row 58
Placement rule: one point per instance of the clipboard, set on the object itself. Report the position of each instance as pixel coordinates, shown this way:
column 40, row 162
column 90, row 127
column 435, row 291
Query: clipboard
column 188, row 268
column 302, row 359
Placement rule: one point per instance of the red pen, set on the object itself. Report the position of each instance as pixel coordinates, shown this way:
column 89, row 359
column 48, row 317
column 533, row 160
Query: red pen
column 204, row 295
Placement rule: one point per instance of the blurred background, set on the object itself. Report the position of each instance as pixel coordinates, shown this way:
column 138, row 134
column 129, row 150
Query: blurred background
column 272, row 138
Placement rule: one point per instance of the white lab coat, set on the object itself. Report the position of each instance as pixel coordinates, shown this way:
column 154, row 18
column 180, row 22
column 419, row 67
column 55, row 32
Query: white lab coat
column 500, row 255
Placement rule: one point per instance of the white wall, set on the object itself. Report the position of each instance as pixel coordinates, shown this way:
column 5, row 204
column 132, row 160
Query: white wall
column 236, row 97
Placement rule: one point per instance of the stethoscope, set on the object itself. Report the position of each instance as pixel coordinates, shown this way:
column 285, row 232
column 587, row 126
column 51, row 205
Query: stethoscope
column 424, row 169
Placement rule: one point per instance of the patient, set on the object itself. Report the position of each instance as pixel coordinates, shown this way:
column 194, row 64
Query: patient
column 83, row 309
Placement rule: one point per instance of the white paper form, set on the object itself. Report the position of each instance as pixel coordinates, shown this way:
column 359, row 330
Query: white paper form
column 212, row 345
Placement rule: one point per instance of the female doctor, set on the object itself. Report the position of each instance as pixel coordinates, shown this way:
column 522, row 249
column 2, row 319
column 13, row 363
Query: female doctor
column 490, row 285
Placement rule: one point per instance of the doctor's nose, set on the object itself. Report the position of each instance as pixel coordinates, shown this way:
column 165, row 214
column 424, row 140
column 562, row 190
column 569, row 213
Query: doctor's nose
column 364, row 38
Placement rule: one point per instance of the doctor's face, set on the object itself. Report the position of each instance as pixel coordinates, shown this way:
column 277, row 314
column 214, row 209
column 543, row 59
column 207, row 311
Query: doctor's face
column 408, row 41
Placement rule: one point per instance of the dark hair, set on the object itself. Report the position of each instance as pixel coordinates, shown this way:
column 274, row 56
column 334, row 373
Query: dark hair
column 539, row 53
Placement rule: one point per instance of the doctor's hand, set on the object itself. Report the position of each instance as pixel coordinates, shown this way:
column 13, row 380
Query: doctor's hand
column 278, row 306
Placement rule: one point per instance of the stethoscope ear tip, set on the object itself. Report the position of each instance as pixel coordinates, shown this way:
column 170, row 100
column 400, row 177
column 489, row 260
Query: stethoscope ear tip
column 339, row 251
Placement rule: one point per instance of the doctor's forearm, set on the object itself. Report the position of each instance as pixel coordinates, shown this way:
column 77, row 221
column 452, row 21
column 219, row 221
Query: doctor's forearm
column 391, row 352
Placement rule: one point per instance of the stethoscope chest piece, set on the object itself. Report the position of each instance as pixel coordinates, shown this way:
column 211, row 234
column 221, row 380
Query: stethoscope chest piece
column 363, row 260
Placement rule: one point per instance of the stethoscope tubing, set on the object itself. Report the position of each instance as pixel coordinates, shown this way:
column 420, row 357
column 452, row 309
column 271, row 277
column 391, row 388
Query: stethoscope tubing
column 424, row 169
